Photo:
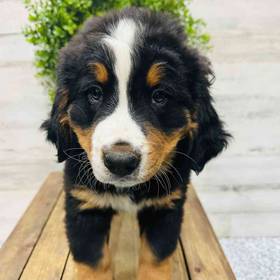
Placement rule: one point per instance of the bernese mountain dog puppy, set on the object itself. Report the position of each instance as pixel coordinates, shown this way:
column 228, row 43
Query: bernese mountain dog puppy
column 131, row 118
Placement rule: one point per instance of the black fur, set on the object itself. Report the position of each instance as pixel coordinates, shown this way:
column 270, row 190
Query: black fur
column 87, row 231
column 162, row 228
column 62, row 136
column 187, row 80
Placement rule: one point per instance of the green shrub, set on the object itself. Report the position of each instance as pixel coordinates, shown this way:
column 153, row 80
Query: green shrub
column 54, row 22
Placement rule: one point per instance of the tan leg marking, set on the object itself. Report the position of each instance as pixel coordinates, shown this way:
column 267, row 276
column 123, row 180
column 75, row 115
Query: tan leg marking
column 149, row 267
column 101, row 272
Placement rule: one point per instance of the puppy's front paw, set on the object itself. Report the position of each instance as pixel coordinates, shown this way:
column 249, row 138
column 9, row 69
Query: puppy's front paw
column 155, row 271
column 150, row 268
column 86, row 272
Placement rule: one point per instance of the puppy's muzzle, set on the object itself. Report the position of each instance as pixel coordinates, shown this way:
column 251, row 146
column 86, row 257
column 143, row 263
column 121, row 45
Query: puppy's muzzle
column 121, row 159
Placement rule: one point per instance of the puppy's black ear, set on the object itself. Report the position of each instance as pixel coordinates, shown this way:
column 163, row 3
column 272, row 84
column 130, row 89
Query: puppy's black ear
column 210, row 137
column 57, row 126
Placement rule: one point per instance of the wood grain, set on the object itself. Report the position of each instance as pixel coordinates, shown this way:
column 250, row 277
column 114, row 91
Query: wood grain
column 16, row 250
column 50, row 254
column 69, row 271
column 203, row 252
column 124, row 244
column 179, row 269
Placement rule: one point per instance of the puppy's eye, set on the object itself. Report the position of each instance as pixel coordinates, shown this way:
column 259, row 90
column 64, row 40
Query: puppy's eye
column 95, row 94
column 159, row 97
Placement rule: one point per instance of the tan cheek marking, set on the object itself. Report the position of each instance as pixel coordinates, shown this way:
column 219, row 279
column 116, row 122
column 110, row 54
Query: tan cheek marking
column 161, row 147
column 101, row 272
column 149, row 266
column 84, row 135
column 100, row 72
column 84, row 138
column 155, row 74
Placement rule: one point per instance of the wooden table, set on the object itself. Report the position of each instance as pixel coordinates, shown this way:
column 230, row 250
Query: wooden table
column 37, row 248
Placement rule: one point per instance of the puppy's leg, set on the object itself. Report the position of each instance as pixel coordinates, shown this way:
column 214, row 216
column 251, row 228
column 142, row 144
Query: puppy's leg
column 88, row 233
column 100, row 271
column 160, row 230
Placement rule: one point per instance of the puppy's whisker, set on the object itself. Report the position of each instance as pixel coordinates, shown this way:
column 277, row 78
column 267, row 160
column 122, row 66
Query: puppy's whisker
column 85, row 171
column 89, row 176
column 73, row 156
column 93, row 182
column 82, row 111
column 81, row 170
column 157, row 181
column 162, row 182
column 70, row 149
column 197, row 166
column 78, row 179
column 169, row 186
column 82, row 167
column 175, row 169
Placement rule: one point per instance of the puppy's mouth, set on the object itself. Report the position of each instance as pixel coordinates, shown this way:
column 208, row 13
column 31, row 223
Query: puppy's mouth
column 126, row 181
column 140, row 176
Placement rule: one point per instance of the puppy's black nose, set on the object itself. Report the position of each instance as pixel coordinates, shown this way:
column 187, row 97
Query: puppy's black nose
column 121, row 160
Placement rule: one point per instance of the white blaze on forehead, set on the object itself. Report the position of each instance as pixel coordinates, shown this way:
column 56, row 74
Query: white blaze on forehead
column 119, row 126
column 121, row 42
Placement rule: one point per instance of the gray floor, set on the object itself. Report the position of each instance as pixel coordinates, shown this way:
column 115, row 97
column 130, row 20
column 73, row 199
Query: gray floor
column 240, row 190
column 254, row 258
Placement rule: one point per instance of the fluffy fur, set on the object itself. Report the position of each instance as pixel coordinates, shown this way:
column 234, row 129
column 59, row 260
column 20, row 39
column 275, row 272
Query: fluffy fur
column 131, row 92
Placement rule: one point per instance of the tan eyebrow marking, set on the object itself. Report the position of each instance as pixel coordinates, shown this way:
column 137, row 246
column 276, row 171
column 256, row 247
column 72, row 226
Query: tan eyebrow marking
column 100, row 72
column 155, row 74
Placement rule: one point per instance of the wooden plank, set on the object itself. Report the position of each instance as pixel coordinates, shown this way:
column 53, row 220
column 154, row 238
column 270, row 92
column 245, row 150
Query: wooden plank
column 124, row 244
column 179, row 265
column 50, row 254
column 69, row 269
column 16, row 250
column 203, row 252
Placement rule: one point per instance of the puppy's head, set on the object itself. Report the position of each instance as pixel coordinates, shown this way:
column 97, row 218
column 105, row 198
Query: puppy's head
column 129, row 91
